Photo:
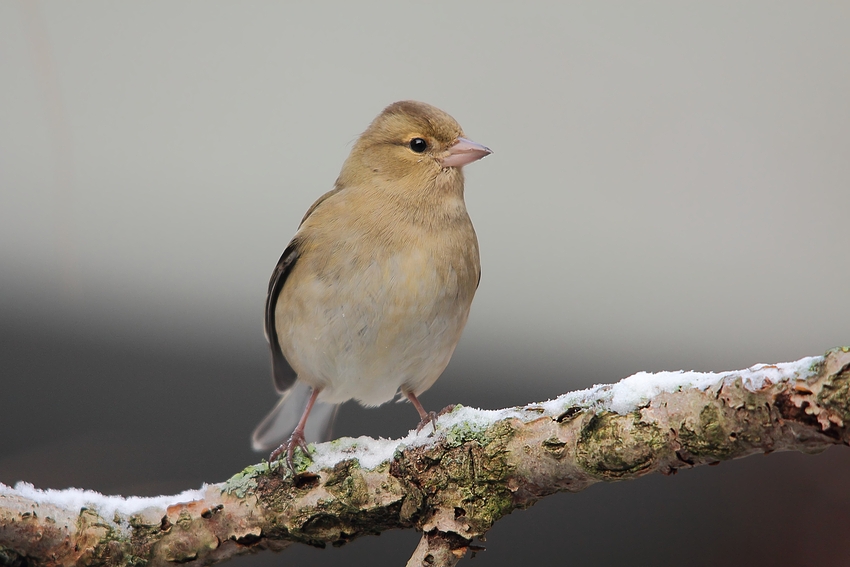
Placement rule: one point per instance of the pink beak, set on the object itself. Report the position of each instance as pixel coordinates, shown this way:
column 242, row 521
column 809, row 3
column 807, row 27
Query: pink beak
column 465, row 151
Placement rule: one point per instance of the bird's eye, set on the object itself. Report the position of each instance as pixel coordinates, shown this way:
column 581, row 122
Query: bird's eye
column 418, row 145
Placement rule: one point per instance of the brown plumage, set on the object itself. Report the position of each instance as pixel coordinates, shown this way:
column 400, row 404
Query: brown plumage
column 373, row 292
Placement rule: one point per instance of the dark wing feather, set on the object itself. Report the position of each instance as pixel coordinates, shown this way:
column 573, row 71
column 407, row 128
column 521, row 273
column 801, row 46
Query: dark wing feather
column 284, row 375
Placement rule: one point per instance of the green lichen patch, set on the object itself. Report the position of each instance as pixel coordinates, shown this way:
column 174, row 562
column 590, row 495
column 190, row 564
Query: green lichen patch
column 471, row 485
column 473, row 478
column 342, row 472
column 338, row 520
column 342, row 503
column 614, row 447
column 245, row 481
column 99, row 542
column 348, row 485
column 711, row 436
column 467, row 472
column 835, row 393
column 144, row 535
column 465, row 431
column 301, row 461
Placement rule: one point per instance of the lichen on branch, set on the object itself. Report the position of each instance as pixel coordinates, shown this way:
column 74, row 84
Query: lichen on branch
column 452, row 485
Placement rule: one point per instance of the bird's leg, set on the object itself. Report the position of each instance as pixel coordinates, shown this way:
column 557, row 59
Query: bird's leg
column 426, row 416
column 297, row 437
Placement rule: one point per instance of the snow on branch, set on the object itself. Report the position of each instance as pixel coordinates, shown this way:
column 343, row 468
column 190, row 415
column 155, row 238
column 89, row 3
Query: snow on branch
column 452, row 485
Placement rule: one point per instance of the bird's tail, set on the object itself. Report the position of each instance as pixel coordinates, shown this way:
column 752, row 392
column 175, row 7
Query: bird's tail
column 282, row 420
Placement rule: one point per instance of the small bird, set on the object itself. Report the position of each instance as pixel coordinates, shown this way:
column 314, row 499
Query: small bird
column 372, row 293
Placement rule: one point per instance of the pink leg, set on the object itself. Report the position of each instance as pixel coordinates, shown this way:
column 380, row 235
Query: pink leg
column 426, row 416
column 297, row 437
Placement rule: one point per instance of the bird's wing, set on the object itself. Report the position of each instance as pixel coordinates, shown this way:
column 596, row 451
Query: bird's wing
column 284, row 375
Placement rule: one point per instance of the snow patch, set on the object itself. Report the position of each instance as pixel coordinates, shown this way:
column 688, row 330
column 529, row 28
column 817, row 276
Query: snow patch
column 639, row 389
column 74, row 499
column 371, row 453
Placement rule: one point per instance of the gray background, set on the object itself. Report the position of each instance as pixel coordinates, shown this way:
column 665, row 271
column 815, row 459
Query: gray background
column 669, row 190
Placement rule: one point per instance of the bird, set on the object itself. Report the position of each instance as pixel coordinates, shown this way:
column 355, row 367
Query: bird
column 369, row 299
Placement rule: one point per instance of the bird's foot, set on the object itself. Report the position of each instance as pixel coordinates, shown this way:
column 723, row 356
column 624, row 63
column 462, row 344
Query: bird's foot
column 429, row 417
column 295, row 440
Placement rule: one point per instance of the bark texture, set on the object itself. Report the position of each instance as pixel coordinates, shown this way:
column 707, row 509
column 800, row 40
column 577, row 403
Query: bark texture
column 452, row 488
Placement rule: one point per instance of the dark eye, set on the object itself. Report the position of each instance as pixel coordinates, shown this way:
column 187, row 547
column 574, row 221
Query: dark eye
column 418, row 145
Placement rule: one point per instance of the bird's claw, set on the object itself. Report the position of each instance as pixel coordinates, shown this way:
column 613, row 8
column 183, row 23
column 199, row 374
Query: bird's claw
column 430, row 417
column 295, row 440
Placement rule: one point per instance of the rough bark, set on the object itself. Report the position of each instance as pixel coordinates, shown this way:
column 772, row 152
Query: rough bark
column 453, row 487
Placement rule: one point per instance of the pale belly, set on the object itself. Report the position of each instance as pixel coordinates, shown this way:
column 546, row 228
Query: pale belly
column 365, row 334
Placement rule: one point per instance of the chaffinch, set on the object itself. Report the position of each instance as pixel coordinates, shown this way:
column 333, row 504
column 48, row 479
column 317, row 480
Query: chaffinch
column 372, row 293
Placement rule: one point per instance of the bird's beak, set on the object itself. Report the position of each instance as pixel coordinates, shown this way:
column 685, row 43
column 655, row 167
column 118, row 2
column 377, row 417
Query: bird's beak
column 465, row 151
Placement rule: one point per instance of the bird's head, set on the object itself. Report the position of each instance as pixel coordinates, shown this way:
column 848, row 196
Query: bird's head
column 413, row 141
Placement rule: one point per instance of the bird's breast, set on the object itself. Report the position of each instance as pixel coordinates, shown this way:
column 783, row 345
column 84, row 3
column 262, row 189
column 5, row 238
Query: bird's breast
column 361, row 326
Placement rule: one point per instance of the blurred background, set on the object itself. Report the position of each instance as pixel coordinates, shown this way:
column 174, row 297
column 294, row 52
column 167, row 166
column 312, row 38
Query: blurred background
column 670, row 190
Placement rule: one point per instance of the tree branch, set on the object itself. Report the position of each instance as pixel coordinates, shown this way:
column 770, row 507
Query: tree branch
column 452, row 486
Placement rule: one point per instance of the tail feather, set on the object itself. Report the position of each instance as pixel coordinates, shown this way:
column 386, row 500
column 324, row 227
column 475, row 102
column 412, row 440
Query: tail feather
column 279, row 424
